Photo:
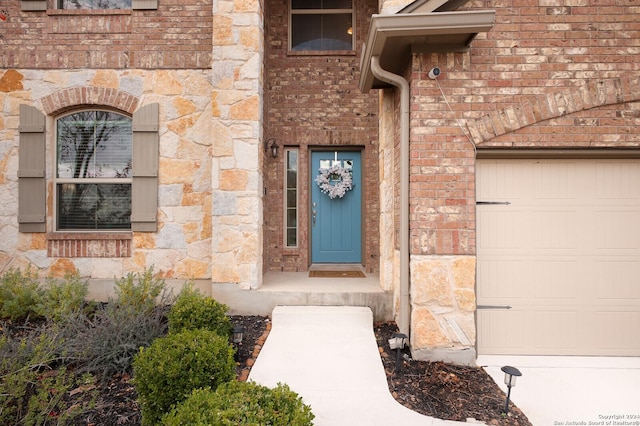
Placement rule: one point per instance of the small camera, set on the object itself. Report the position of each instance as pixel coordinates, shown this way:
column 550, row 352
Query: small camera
column 434, row 73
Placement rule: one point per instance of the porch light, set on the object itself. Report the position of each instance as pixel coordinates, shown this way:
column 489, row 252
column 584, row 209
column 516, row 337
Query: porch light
column 510, row 375
column 397, row 342
column 272, row 145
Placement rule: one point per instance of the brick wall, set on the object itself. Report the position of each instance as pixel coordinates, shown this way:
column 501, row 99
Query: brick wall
column 545, row 76
column 314, row 101
column 176, row 35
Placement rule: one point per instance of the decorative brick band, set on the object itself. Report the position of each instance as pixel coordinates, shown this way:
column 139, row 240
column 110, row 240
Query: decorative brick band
column 74, row 97
column 543, row 107
column 88, row 245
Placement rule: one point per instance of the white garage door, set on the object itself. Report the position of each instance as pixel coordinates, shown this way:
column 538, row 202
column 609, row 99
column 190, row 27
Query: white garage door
column 564, row 255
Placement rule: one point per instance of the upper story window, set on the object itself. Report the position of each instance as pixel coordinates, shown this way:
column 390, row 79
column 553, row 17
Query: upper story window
column 93, row 171
column 321, row 25
column 94, row 4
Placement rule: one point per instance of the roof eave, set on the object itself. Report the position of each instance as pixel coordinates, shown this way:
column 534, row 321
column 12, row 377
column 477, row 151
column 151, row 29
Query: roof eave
column 394, row 37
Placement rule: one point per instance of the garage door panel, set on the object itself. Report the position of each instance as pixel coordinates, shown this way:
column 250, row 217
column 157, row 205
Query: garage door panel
column 618, row 330
column 617, row 282
column 565, row 255
column 556, row 329
column 616, row 180
column 504, row 281
column 508, row 226
column 619, row 230
column 556, row 280
column 501, row 331
column 554, row 230
column 555, row 180
column 500, row 181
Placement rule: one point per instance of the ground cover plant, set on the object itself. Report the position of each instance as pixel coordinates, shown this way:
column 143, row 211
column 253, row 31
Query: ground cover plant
column 66, row 361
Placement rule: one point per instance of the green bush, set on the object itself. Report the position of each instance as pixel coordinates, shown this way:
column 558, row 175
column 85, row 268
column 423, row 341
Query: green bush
column 192, row 310
column 20, row 293
column 241, row 403
column 61, row 299
column 172, row 367
column 141, row 291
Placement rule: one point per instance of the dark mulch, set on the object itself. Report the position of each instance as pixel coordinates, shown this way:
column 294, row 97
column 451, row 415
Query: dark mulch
column 116, row 403
column 432, row 388
column 444, row 391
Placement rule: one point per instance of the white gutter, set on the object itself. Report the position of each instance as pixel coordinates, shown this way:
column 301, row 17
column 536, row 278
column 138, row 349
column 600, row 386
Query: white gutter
column 400, row 82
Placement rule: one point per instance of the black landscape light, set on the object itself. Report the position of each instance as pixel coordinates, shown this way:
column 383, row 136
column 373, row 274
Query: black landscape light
column 397, row 342
column 238, row 331
column 510, row 374
column 236, row 338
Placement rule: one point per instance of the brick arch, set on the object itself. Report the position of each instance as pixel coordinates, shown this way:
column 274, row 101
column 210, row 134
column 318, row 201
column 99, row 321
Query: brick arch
column 74, row 97
column 534, row 109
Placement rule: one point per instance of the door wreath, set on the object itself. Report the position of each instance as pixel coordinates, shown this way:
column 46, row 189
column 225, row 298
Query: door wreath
column 341, row 177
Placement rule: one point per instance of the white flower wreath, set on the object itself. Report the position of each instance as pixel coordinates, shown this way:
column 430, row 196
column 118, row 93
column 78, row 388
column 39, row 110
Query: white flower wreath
column 342, row 176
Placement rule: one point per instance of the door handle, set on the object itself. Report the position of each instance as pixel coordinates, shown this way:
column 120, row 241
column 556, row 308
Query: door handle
column 314, row 212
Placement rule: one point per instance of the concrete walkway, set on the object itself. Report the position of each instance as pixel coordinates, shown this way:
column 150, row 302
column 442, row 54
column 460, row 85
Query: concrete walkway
column 329, row 356
column 556, row 391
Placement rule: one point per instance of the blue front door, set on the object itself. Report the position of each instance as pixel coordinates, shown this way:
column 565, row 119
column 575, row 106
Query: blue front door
column 336, row 231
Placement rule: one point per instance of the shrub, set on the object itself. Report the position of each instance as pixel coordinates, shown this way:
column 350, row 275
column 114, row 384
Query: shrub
column 62, row 299
column 32, row 390
column 192, row 310
column 107, row 342
column 141, row 291
column 166, row 372
column 20, row 293
column 241, row 403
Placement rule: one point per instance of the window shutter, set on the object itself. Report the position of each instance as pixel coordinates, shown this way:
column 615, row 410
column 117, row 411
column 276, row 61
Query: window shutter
column 31, row 171
column 144, row 4
column 144, row 190
column 34, row 5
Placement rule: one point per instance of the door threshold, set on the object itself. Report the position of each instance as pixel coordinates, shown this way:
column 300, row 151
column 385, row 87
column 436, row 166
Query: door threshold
column 336, row 267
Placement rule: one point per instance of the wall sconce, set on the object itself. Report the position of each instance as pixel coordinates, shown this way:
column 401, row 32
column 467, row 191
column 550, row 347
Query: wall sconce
column 350, row 30
column 397, row 342
column 271, row 144
column 510, row 374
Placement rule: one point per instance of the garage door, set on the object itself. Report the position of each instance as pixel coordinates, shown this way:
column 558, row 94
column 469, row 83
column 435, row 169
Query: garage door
column 559, row 266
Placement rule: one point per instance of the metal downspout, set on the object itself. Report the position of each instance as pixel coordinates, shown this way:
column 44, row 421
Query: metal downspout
column 400, row 82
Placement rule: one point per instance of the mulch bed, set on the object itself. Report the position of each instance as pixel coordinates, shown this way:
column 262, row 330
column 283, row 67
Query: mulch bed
column 432, row 388
column 444, row 391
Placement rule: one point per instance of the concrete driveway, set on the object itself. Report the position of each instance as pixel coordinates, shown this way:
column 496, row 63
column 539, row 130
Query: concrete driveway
column 572, row 390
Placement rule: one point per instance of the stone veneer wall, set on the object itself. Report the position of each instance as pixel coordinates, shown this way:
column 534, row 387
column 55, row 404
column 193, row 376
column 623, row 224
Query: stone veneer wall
column 237, row 108
column 182, row 246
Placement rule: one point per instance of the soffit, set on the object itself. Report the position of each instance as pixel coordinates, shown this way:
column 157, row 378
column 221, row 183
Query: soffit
column 394, row 38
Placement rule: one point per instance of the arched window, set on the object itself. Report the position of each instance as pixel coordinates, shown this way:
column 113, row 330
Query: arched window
column 93, row 171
